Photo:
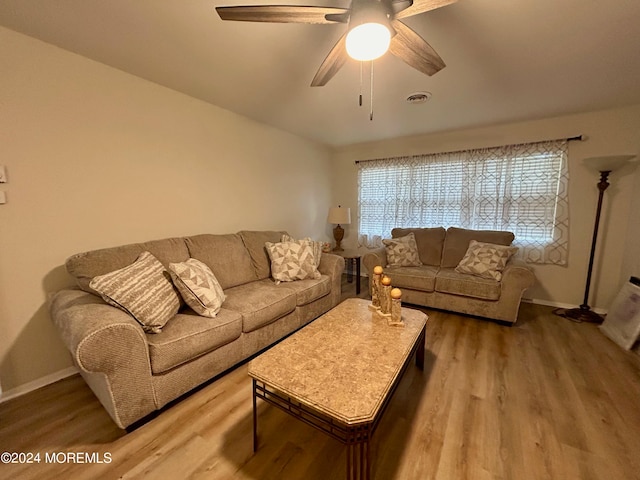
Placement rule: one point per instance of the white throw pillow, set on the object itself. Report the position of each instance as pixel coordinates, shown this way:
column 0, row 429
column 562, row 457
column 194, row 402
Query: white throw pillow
column 486, row 260
column 143, row 290
column 198, row 286
column 292, row 261
column 316, row 247
column 402, row 251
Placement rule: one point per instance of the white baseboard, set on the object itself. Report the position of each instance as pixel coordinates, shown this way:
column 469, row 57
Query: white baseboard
column 548, row 303
column 39, row 383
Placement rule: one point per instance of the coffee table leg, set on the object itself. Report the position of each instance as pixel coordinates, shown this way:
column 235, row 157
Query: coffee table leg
column 420, row 351
column 255, row 419
column 359, row 455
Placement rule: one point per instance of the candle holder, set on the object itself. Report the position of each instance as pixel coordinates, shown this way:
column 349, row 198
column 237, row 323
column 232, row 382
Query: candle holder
column 385, row 296
column 375, row 288
column 396, row 308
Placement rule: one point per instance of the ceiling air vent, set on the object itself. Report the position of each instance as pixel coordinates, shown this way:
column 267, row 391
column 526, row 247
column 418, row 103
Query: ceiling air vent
column 418, row 98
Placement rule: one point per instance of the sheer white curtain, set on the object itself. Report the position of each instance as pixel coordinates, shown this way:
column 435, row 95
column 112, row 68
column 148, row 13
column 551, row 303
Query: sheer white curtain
column 520, row 188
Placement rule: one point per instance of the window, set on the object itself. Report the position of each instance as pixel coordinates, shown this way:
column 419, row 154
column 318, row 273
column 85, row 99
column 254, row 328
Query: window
column 520, row 188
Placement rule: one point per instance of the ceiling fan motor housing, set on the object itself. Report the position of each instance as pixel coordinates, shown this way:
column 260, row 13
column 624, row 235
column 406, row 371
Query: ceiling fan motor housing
column 368, row 11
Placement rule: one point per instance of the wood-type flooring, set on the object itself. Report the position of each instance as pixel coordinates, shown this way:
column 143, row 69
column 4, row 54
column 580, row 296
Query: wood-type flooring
column 544, row 399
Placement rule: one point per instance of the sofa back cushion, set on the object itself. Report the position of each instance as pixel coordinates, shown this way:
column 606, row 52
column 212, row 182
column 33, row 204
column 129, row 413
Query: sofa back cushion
column 84, row 266
column 225, row 255
column 429, row 242
column 457, row 242
column 255, row 244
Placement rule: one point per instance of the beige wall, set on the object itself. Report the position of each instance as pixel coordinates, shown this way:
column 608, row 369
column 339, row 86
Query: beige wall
column 97, row 158
column 631, row 264
column 608, row 132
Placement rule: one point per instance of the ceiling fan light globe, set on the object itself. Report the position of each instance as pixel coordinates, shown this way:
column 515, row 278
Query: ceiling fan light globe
column 368, row 41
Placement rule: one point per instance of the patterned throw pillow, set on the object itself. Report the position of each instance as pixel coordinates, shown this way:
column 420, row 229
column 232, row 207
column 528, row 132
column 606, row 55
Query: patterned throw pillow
column 402, row 251
column 292, row 261
column 143, row 290
column 316, row 247
column 198, row 286
column 485, row 260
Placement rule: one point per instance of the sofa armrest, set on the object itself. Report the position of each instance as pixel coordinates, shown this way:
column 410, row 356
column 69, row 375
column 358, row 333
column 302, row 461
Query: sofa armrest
column 333, row 266
column 111, row 351
column 373, row 258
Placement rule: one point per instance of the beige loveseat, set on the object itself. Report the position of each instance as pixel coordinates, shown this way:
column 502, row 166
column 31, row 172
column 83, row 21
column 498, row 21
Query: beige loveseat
column 436, row 284
column 134, row 373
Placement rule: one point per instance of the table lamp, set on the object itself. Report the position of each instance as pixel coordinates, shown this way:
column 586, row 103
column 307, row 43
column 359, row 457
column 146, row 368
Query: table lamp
column 337, row 216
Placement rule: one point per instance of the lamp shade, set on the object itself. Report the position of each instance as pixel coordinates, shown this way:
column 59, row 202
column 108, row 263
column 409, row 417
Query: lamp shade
column 607, row 164
column 338, row 215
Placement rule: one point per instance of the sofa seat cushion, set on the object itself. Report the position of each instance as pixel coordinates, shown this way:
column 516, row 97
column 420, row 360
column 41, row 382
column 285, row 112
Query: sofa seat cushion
column 450, row 281
column 421, row 278
column 260, row 302
column 187, row 336
column 310, row 289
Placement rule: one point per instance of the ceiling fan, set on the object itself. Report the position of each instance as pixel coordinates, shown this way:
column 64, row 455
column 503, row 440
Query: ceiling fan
column 374, row 25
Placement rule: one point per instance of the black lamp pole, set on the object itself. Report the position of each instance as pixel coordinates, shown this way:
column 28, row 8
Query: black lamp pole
column 584, row 312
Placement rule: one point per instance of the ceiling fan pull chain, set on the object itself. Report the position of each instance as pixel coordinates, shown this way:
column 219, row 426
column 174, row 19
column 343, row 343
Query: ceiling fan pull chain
column 360, row 97
column 371, row 111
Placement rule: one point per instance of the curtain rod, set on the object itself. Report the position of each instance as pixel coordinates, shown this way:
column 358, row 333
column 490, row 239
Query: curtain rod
column 568, row 139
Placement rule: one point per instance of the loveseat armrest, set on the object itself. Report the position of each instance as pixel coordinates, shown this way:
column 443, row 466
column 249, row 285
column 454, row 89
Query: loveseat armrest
column 373, row 258
column 518, row 273
column 333, row 266
column 110, row 349
column 516, row 278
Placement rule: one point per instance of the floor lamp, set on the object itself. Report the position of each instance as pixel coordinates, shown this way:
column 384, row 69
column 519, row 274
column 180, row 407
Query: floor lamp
column 604, row 165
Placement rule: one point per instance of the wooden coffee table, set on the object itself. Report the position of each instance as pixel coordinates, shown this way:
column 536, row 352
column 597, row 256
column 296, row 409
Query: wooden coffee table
column 338, row 374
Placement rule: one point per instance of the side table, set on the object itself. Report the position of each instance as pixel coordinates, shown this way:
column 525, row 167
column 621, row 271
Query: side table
column 352, row 263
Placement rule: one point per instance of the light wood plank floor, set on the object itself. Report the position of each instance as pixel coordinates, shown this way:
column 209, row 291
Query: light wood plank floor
column 544, row 399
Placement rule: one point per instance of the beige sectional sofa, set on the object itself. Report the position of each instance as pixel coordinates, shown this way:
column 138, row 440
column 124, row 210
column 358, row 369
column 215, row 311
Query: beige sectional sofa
column 134, row 373
column 436, row 283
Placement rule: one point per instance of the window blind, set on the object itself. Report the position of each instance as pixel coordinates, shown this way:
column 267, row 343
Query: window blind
column 520, row 188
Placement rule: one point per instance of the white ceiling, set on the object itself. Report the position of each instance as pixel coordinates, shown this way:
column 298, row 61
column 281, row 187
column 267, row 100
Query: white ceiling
column 507, row 60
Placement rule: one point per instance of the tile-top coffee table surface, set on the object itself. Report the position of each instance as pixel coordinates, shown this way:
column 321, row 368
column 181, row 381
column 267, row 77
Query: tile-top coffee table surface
column 343, row 366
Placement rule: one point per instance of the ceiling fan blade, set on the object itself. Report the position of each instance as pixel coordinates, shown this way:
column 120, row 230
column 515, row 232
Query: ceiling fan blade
column 421, row 6
column 280, row 13
column 339, row 17
column 412, row 49
column 398, row 5
column 334, row 62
